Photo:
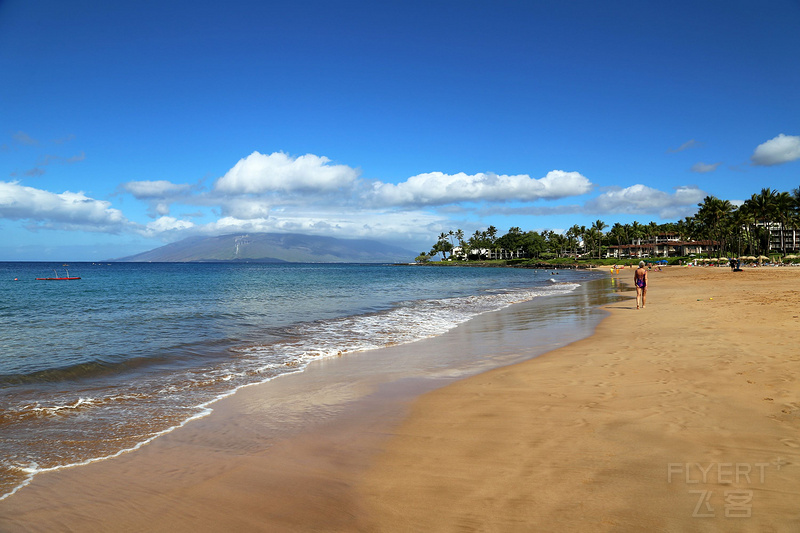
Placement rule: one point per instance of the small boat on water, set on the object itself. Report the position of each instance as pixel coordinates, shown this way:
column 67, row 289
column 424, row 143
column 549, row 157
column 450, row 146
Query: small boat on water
column 59, row 278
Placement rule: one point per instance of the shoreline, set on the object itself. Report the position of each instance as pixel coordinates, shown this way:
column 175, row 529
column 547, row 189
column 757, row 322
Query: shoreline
column 87, row 410
column 308, row 435
column 682, row 416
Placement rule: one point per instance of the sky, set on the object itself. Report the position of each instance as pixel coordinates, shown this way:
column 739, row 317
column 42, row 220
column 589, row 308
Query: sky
column 126, row 126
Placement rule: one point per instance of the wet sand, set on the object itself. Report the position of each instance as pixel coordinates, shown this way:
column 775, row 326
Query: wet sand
column 683, row 416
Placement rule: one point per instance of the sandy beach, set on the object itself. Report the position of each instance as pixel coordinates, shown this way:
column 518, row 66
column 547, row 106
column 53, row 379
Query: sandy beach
column 683, row 416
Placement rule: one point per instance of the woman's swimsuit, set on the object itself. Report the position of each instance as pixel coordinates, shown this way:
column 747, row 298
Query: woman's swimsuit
column 640, row 283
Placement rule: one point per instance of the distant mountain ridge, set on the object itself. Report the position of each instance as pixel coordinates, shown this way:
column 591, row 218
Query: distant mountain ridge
column 274, row 248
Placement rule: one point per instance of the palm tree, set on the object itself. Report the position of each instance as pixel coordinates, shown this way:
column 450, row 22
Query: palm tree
column 747, row 217
column 511, row 241
column 739, row 229
column 651, row 229
column 491, row 233
column 620, row 233
column 636, row 232
column 763, row 209
column 686, row 228
column 597, row 228
column 784, row 207
column 573, row 233
column 713, row 215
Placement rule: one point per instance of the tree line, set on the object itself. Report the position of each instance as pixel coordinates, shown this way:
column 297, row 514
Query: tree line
column 738, row 230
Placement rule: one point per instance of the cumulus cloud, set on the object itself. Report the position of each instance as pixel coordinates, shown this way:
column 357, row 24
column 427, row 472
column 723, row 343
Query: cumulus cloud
column 67, row 210
column 167, row 224
column 703, row 167
column 437, row 188
column 159, row 194
column 781, row 149
column 278, row 172
column 245, row 208
column 641, row 199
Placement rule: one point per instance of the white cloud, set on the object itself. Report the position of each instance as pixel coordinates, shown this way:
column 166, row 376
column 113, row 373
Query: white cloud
column 278, row 172
column 437, row 188
column 781, row 149
column 167, row 224
column 703, row 167
column 641, row 199
column 67, row 210
column 152, row 190
column 245, row 208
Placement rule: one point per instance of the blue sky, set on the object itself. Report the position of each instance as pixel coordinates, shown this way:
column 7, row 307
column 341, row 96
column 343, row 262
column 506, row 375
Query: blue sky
column 125, row 126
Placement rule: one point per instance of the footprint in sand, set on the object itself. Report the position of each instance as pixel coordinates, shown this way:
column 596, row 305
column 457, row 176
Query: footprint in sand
column 791, row 443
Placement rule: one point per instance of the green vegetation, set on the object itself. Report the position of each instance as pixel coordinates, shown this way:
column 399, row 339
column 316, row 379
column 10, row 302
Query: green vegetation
column 749, row 229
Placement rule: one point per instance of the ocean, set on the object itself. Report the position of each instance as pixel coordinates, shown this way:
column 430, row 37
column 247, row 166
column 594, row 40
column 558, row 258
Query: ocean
column 94, row 367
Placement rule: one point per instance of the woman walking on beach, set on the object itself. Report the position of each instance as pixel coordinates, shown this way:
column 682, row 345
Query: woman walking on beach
column 640, row 280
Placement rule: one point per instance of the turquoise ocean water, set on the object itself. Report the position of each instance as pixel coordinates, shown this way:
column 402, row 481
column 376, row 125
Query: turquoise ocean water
column 93, row 367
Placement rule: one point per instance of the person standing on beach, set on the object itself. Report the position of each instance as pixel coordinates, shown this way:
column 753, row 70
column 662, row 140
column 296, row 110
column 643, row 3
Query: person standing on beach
column 640, row 280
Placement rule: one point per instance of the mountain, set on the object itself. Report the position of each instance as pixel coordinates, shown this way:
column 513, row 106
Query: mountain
column 274, row 248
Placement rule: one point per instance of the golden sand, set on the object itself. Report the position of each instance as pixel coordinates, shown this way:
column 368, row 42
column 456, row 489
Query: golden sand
column 683, row 416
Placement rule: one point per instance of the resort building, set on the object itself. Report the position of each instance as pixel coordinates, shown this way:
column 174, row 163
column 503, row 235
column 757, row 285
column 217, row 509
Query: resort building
column 662, row 245
column 485, row 253
column 783, row 238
